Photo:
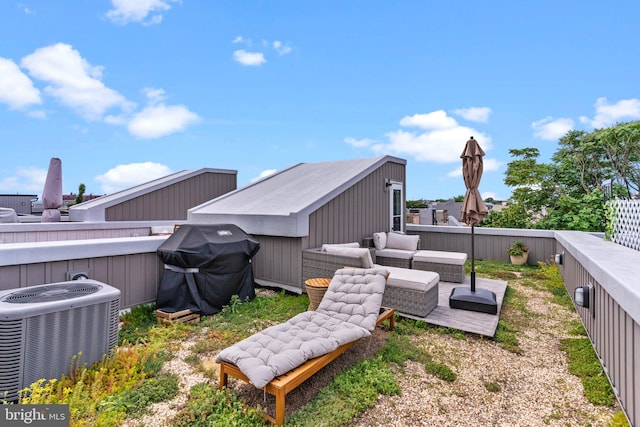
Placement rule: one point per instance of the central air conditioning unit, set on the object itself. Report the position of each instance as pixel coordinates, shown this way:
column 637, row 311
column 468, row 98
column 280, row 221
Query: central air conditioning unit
column 43, row 327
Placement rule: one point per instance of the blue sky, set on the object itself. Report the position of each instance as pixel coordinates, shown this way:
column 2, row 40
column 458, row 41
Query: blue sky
column 124, row 91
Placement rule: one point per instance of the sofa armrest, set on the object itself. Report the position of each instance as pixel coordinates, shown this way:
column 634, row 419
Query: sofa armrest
column 316, row 263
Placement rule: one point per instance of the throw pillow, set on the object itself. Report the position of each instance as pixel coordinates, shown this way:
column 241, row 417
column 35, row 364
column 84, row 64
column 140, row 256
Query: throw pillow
column 380, row 240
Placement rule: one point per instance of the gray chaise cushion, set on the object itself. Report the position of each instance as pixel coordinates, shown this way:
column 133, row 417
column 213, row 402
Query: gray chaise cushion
column 347, row 313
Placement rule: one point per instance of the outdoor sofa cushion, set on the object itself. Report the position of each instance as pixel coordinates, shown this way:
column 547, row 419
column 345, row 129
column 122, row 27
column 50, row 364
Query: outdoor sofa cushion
column 363, row 253
column 397, row 241
column 407, row 242
column 347, row 312
column 342, row 245
column 395, row 253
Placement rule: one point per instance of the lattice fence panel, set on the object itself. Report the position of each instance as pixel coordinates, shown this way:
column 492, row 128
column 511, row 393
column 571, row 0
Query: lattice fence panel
column 626, row 226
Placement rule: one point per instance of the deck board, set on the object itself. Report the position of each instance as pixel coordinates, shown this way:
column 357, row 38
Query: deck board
column 464, row 320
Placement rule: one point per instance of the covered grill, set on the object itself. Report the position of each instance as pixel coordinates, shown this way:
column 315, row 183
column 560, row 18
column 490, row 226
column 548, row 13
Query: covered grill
column 205, row 265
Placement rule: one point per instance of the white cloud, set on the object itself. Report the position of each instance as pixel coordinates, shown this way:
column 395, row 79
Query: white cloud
column 254, row 59
column 122, row 177
column 434, row 120
column 359, row 143
column 238, row 39
column 264, row 174
column 491, row 165
column 155, row 96
column 73, row 81
column 489, row 194
column 609, row 114
column 474, row 114
column 16, row 89
column 551, row 129
column 24, row 180
column 441, row 139
column 161, row 120
column 147, row 12
column 281, row 48
column 488, row 165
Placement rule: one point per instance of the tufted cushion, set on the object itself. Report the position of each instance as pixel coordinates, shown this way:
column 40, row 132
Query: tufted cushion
column 363, row 253
column 355, row 296
column 380, row 240
column 347, row 312
column 402, row 241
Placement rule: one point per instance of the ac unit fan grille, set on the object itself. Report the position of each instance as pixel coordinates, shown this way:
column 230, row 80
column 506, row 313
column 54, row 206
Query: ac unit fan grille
column 51, row 293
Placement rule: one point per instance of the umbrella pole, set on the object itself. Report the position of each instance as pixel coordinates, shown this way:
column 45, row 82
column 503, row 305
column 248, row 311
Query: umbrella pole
column 473, row 265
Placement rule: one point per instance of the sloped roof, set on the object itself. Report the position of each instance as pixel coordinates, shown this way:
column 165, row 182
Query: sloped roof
column 280, row 204
column 94, row 210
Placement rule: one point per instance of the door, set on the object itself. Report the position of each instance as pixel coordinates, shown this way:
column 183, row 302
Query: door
column 396, row 206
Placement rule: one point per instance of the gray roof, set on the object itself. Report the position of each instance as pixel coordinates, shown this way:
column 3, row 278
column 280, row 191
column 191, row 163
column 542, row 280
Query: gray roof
column 94, row 210
column 280, row 204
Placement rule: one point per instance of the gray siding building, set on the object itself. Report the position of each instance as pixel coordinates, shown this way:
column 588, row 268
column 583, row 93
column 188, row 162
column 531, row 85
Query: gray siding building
column 21, row 203
column 166, row 198
column 309, row 204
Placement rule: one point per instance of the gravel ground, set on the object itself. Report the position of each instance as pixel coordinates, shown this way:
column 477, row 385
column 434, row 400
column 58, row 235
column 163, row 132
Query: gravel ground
column 534, row 388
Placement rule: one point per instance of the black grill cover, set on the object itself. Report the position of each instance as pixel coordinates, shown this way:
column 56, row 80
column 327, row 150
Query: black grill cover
column 205, row 265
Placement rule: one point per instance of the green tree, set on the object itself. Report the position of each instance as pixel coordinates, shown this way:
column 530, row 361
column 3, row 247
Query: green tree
column 416, row 204
column 81, row 190
column 566, row 193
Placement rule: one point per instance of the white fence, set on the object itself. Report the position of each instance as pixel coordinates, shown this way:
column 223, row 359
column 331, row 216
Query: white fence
column 625, row 223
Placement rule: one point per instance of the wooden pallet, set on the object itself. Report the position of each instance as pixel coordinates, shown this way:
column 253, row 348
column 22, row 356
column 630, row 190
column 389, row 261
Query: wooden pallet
column 183, row 316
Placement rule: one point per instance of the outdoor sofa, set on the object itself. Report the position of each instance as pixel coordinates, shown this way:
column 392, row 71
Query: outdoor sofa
column 411, row 292
column 402, row 250
column 281, row 357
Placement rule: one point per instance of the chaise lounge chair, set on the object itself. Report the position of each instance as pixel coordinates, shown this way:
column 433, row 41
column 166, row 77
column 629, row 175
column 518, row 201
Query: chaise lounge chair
column 281, row 357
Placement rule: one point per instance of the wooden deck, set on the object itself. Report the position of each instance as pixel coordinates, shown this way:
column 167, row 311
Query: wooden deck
column 464, row 320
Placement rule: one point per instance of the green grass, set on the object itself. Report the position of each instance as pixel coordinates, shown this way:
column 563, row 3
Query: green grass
column 134, row 402
column 350, row 394
column 208, row 406
column 492, row 387
column 136, row 323
column 583, row 362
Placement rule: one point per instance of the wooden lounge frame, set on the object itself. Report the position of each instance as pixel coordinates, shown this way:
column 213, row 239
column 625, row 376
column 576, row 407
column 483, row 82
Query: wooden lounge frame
column 281, row 386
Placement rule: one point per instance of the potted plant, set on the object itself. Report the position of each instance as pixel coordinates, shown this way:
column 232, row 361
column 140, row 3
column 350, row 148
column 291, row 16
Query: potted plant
column 518, row 253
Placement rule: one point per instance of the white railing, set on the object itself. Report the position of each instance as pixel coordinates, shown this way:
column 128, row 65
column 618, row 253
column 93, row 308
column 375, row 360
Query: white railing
column 625, row 223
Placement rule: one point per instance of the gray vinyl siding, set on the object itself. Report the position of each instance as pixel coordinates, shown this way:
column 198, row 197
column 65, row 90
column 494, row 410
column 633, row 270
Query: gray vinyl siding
column 279, row 261
column 489, row 244
column 358, row 212
column 173, row 201
column 21, row 203
column 615, row 335
column 137, row 276
column 47, row 233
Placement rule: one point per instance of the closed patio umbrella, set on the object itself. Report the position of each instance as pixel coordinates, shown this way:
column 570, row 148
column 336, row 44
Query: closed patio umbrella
column 473, row 211
column 52, row 193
